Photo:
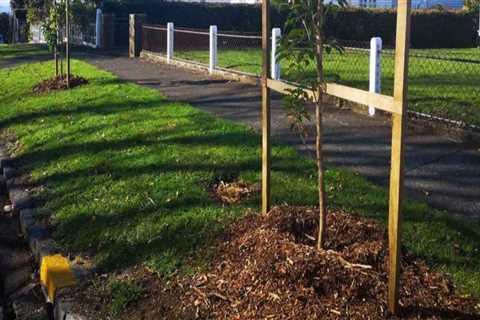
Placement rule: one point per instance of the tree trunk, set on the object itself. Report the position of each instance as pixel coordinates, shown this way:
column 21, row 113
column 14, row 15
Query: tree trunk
column 56, row 46
column 55, row 54
column 61, row 66
column 322, row 225
column 67, row 44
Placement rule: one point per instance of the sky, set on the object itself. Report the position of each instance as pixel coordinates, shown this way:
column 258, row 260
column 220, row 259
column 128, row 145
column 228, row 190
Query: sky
column 4, row 5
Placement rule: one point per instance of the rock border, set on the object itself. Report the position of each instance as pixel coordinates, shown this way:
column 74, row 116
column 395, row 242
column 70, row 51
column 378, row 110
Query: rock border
column 38, row 236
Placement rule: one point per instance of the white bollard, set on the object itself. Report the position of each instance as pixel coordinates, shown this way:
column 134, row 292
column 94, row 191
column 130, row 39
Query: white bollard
column 375, row 69
column 98, row 28
column 275, row 66
column 213, row 49
column 170, row 40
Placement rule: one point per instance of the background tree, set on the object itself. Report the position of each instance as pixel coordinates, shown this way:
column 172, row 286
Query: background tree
column 50, row 15
column 4, row 25
column 473, row 5
column 302, row 48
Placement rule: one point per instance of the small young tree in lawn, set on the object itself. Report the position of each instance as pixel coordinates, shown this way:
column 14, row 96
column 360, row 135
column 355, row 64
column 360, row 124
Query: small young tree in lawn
column 302, row 48
column 55, row 16
column 50, row 28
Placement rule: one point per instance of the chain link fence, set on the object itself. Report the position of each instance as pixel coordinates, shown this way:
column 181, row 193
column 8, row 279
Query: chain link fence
column 154, row 38
column 83, row 35
column 189, row 44
column 443, row 83
column 192, row 44
column 240, row 51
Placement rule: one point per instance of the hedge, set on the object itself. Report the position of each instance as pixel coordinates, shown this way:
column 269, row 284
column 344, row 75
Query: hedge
column 430, row 28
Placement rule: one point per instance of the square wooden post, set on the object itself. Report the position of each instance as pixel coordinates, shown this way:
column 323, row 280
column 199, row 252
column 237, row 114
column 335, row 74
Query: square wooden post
column 266, row 152
column 398, row 145
column 136, row 22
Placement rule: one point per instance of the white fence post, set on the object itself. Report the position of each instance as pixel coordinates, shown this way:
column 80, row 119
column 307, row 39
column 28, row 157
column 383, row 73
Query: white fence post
column 275, row 66
column 375, row 69
column 98, row 28
column 213, row 49
column 170, row 40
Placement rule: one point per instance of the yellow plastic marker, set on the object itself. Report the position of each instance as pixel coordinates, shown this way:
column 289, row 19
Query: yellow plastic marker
column 55, row 273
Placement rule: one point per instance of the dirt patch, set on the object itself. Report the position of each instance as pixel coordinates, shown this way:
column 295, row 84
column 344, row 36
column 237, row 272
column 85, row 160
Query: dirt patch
column 228, row 188
column 267, row 267
column 58, row 83
column 233, row 192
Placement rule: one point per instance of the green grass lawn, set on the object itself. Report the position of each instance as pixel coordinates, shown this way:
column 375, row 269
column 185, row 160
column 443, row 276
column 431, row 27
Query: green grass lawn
column 126, row 173
column 438, row 87
column 8, row 51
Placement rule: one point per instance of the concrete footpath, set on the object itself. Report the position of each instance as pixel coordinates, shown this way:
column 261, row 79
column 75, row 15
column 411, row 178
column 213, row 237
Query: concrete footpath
column 443, row 172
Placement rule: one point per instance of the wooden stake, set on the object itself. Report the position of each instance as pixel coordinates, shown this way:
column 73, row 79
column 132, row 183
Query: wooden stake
column 67, row 35
column 55, row 50
column 266, row 152
column 398, row 146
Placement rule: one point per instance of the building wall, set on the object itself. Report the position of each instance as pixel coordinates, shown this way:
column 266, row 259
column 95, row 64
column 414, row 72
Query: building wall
column 416, row 4
column 222, row 1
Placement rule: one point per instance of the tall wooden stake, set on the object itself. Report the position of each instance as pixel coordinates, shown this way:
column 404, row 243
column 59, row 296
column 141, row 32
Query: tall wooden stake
column 55, row 56
column 266, row 152
column 67, row 43
column 397, row 156
column 55, row 49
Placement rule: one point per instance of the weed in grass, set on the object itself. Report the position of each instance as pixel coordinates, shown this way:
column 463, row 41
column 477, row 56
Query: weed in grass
column 123, row 293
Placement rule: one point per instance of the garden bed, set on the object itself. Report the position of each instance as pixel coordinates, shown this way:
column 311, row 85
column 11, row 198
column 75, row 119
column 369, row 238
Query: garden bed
column 267, row 267
column 59, row 83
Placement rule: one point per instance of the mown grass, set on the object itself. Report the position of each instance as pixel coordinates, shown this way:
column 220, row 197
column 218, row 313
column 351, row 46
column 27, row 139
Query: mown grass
column 8, row 51
column 126, row 174
column 438, row 87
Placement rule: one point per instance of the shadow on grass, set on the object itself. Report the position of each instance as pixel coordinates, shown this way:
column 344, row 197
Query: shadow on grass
column 179, row 240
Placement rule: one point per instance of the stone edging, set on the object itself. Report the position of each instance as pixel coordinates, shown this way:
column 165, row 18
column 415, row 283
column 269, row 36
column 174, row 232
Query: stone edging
column 38, row 238
column 460, row 133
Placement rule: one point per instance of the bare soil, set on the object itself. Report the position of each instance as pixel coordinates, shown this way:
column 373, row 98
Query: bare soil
column 267, row 267
column 58, row 83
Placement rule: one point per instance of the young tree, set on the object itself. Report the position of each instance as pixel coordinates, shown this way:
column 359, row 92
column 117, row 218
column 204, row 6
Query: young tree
column 55, row 16
column 303, row 48
column 50, row 30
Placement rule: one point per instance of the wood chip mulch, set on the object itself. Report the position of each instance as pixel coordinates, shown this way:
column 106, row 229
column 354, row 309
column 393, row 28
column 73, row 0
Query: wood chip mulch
column 268, row 268
column 58, row 83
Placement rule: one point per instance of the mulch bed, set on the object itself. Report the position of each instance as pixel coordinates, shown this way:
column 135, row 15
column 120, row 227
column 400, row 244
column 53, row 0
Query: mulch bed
column 58, row 83
column 267, row 267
